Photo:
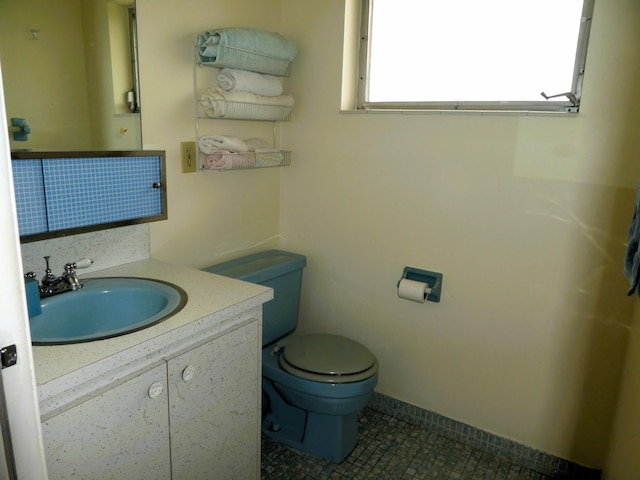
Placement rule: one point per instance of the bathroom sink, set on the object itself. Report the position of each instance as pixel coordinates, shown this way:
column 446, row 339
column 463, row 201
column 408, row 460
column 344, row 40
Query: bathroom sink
column 103, row 308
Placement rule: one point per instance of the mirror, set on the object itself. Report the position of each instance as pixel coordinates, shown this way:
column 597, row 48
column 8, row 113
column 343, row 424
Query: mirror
column 70, row 71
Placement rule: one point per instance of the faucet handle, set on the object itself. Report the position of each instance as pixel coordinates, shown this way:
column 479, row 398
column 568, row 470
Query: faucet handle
column 84, row 263
column 49, row 278
column 30, row 275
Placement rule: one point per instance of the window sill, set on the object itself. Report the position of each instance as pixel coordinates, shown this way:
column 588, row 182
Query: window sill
column 483, row 113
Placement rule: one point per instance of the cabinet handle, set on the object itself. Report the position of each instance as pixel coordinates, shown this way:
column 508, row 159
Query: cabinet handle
column 187, row 373
column 155, row 390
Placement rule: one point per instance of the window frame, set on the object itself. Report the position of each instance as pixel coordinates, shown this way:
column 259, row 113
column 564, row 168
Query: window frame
column 552, row 103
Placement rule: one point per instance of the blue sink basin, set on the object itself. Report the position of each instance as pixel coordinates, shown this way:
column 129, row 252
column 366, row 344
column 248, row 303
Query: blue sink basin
column 104, row 308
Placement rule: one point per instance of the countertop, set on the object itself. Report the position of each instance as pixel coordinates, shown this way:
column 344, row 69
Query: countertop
column 68, row 373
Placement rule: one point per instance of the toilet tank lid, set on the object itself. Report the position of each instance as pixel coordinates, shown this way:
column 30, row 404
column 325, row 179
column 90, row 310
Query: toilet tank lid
column 260, row 267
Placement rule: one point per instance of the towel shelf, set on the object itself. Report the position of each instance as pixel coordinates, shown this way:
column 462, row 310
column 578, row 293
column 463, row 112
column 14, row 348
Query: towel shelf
column 231, row 57
column 243, row 111
column 210, row 110
column 244, row 161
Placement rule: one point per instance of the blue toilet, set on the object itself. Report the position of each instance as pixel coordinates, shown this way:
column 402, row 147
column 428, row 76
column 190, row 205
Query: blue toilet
column 313, row 386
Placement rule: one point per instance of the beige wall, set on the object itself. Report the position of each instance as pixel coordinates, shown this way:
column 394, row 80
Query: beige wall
column 525, row 216
column 212, row 215
column 45, row 79
column 623, row 462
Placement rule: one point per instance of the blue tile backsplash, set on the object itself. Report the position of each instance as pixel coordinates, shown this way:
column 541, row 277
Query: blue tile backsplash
column 110, row 190
column 28, row 183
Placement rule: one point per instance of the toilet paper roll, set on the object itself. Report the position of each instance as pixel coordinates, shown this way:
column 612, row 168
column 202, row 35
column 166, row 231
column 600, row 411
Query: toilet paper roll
column 412, row 290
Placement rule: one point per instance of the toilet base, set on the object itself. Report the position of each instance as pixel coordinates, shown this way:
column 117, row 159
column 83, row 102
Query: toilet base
column 327, row 436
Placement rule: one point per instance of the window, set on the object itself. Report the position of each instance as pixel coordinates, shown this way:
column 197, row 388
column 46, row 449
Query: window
column 523, row 55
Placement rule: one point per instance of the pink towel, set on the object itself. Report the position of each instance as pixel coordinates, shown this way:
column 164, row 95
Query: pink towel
column 225, row 160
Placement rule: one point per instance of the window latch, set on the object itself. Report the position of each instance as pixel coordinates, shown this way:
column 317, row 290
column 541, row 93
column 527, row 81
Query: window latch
column 572, row 98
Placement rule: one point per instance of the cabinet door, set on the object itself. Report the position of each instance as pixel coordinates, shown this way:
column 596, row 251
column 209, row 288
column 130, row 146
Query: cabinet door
column 120, row 434
column 101, row 190
column 214, row 408
column 28, row 182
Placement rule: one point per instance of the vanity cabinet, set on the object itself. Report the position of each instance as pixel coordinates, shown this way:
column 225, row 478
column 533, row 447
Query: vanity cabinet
column 193, row 416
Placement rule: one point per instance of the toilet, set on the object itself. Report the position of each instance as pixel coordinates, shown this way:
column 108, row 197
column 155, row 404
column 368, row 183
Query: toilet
column 313, row 386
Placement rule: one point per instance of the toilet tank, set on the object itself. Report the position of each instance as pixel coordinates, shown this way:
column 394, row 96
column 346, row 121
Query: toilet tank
column 279, row 270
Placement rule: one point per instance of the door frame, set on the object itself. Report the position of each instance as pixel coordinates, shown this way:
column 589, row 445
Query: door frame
column 21, row 398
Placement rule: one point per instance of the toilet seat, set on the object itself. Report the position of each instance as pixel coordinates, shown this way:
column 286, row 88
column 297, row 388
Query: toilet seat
column 327, row 358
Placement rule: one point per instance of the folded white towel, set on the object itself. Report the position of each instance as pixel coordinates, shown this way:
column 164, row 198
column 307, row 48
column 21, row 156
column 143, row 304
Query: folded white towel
column 269, row 158
column 218, row 102
column 209, row 144
column 257, row 144
column 246, row 81
column 266, row 155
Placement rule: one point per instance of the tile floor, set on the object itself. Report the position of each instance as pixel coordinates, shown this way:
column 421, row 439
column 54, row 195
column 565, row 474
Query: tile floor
column 392, row 449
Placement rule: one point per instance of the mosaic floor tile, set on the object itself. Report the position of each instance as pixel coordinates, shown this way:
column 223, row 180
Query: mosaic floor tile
column 391, row 449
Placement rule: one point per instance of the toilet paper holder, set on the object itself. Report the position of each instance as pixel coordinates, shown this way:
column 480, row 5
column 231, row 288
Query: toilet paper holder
column 432, row 279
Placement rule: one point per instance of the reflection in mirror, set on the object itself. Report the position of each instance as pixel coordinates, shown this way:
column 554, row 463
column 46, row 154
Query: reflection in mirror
column 70, row 70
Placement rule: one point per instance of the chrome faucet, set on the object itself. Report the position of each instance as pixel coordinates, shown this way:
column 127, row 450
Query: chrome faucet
column 67, row 282
column 49, row 278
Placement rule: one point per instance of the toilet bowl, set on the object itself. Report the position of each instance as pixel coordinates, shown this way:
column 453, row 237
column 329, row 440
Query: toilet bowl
column 314, row 386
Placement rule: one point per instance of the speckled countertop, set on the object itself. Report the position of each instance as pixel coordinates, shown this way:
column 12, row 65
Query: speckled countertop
column 68, row 373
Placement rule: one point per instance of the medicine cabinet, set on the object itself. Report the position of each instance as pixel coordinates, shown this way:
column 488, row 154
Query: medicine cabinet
column 66, row 193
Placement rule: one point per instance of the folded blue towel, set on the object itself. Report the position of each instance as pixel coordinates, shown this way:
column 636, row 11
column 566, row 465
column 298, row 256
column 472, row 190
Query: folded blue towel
column 247, row 39
column 632, row 258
